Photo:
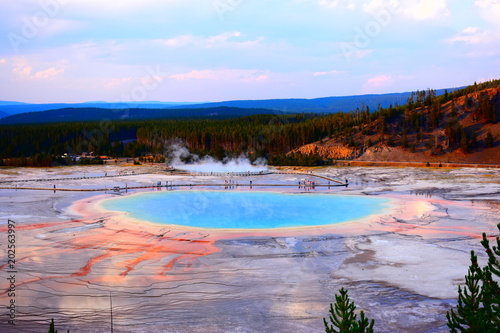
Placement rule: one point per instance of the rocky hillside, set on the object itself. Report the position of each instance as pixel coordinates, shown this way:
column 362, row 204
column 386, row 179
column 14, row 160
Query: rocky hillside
column 464, row 129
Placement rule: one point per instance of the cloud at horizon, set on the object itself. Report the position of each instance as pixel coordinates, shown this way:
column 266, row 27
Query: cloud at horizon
column 213, row 50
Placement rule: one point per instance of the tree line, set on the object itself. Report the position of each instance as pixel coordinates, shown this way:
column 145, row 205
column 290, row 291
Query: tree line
column 271, row 136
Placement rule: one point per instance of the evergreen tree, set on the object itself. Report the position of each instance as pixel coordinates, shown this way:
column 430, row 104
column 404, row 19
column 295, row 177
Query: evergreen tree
column 404, row 139
column 430, row 144
column 390, row 141
column 420, row 135
column 382, row 125
column 478, row 307
column 344, row 320
column 464, row 140
column 474, row 139
column 453, row 109
column 491, row 287
column 469, row 317
column 52, row 327
column 489, row 139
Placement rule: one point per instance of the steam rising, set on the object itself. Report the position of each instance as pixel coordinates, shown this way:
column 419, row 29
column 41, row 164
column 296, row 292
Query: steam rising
column 177, row 151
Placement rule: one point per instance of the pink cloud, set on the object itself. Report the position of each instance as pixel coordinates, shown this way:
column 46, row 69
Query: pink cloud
column 242, row 75
column 224, row 39
column 380, row 81
column 116, row 82
column 196, row 74
column 180, row 41
column 334, row 72
column 22, row 70
column 474, row 35
column 258, row 78
column 48, row 73
column 380, row 84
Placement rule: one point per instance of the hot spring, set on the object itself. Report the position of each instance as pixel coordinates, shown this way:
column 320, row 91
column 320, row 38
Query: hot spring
column 246, row 210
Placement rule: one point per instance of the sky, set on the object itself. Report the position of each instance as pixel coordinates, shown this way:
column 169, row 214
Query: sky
column 214, row 50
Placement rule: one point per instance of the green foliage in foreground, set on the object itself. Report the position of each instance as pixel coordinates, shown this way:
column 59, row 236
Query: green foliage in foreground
column 344, row 320
column 478, row 307
column 52, row 328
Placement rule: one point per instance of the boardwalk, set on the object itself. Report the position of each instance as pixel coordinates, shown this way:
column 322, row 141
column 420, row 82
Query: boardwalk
column 248, row 174
column 72, row 178
column 184, row 184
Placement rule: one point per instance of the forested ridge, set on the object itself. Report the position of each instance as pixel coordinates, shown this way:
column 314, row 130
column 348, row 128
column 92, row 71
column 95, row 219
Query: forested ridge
column 296, row 105
column 272, row 136
column 83, row 114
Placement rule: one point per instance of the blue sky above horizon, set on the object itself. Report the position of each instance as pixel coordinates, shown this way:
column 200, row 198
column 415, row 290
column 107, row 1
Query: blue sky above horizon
column 214, row 50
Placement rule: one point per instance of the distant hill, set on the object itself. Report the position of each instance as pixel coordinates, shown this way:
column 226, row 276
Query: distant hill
column 96, row 114
column 316, row 105
column 3, row 103
column 11, row 108
column 320, row 105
